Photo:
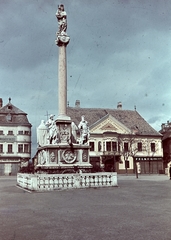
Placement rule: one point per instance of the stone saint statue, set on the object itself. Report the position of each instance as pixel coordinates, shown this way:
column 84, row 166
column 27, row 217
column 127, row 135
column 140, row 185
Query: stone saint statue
column 42, row 134
column 62, row 20
column 74, row 129
column 61, row 35
column 84, row 131
column 52, row 130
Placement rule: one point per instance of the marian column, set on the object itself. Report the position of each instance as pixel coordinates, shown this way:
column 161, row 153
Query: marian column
column 62, row 153
column 62, row 41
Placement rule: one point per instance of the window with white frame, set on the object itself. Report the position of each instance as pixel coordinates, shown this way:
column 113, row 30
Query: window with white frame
column 91, row 146
column 111, row 146
column 9, row 148
column 108, row 146
column 153, row 147
column 114, row 146
column 20, row 148
column 26, row 132
column 1, row 148
column 20, row 132
column 10, row 132
column 125, row 146
column 139, row 145
column 26, row 148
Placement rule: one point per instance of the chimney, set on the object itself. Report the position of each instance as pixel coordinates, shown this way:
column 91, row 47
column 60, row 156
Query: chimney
column 119, row 106
column 1, row 102
column 163, row 126
column 77, row 103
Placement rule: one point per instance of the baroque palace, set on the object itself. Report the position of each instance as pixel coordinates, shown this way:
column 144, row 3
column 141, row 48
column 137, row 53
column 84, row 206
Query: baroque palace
column 120, row 140
column 15, row 139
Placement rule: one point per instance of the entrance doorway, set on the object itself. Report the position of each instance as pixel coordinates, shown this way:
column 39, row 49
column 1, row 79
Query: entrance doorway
column 111, row 164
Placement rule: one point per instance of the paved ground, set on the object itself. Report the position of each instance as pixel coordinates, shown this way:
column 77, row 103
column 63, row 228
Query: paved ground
column 139, row 209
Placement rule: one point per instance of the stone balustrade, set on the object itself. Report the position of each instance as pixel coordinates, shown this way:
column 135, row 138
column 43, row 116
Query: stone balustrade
column 49, row 182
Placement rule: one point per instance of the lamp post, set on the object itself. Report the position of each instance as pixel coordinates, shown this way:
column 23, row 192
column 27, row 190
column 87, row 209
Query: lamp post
column 135, row 164
column 126, row 159
column 114, row 163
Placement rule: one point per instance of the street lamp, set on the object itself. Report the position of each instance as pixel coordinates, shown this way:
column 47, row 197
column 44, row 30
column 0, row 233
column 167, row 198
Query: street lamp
column 135, row 164
column 126, row 160
column 114, row 164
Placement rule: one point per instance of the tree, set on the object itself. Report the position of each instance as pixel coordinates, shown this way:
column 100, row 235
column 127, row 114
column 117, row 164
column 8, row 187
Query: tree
column 129, row 147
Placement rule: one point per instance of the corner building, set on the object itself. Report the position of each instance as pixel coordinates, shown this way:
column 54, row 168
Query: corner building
column 166, row 140
column 120, row 140
column 15, row 139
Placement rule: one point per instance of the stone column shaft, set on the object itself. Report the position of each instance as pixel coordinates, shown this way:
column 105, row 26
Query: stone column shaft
column 62, row 82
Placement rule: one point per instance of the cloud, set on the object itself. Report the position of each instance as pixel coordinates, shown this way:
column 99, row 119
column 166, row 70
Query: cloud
column 118, row 51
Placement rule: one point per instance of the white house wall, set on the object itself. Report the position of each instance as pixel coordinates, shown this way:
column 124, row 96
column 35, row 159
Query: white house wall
column 97, row 134
column 15, row 138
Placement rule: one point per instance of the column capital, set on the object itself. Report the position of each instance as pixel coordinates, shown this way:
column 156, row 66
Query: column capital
column 62, row 40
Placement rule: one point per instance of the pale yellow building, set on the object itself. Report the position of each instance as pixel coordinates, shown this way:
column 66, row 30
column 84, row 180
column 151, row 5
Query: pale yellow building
column 120, row 140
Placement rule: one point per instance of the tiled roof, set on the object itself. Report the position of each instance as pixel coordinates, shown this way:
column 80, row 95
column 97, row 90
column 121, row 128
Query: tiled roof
column 166, row 134
column 11, row 115
column 131, row 119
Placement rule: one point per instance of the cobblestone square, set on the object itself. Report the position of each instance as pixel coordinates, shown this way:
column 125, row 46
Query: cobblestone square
column 138, row 209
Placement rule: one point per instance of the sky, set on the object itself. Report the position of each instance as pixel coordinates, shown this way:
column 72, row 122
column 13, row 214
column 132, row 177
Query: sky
column 119, row 51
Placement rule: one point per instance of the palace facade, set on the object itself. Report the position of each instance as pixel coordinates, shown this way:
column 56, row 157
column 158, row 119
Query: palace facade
column 120, row 140
column 15, row 139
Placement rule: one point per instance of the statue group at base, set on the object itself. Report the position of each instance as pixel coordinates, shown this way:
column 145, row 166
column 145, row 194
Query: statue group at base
column 49, row 132
column 52, row 130
column 42, row 137
column 84, row 131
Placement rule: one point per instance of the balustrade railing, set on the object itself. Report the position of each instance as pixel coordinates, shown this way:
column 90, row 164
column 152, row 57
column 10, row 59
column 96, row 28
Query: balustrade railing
column 48, row 182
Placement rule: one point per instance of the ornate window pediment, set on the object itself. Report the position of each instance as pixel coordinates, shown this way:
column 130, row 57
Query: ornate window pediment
column 109, row 124
column 109, row 127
